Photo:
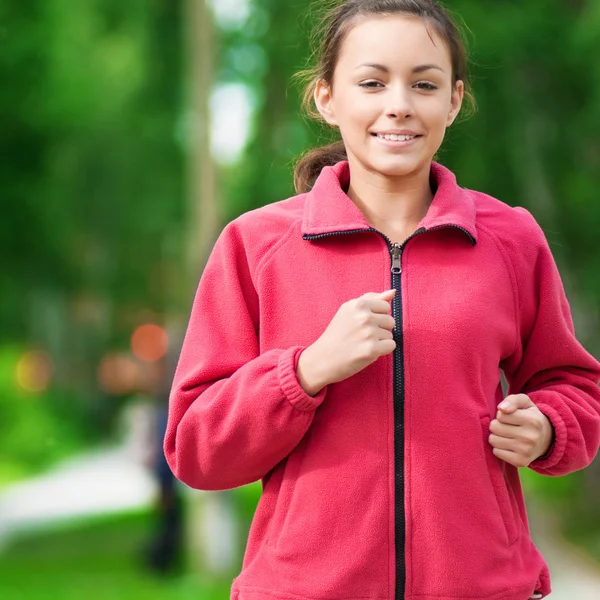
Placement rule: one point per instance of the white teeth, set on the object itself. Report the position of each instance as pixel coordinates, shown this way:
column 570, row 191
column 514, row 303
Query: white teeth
column 397, row 138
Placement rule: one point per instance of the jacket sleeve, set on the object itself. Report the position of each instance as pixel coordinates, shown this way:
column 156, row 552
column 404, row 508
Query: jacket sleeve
column 234, row 413
column 549, row 364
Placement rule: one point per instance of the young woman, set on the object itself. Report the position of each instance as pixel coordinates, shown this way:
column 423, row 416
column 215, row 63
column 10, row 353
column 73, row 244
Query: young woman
column 345, row 346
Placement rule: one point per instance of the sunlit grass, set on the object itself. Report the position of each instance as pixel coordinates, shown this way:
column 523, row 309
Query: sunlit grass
column 99, row 560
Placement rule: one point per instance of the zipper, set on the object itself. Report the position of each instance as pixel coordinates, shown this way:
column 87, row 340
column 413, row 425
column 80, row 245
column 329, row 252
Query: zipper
column 396, row 250
column 398, row 369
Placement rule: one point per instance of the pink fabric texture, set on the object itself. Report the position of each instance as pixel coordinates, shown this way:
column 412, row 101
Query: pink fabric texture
column 480, row 292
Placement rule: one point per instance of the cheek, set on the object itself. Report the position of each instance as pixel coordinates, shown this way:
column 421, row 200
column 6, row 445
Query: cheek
column 434, row 116
column 435, row 109
column 355, row 116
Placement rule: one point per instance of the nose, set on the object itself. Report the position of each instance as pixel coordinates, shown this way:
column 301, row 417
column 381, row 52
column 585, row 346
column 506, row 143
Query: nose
column 399, row 105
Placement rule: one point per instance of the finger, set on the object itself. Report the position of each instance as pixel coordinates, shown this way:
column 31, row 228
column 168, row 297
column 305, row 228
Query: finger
column 500, row 442
column 384, row 334
column 515, row 402
column 518, row 417
column 387, row 294
column 503, row 430
column 385, row 347
column 379, row 306
column 385, row 321
column 507, row 456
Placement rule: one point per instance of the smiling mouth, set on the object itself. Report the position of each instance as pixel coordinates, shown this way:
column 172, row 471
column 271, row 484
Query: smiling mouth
column 395, row 138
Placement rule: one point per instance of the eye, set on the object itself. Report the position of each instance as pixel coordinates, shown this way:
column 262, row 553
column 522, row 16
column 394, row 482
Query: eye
column 369, row 84
column 425, row 85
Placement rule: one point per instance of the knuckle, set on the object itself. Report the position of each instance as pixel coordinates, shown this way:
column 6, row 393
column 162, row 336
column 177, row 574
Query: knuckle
column 348, row 306
column 363, row 318
column 360, row 303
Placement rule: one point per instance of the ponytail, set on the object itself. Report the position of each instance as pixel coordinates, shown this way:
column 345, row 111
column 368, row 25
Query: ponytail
column 309, row 166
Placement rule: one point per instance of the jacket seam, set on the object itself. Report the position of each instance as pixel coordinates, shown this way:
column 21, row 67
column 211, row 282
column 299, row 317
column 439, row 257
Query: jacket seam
column 292, row 596
column 463, row 597
column 260, row 265
column 513, row 281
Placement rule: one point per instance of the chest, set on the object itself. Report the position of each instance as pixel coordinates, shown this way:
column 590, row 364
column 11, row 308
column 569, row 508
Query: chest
column 455, row 300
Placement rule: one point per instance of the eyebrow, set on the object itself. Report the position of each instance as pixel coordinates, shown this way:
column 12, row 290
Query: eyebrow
column 417, row 69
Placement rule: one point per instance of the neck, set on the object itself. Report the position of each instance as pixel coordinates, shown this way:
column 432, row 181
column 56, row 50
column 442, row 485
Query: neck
column 399, row 202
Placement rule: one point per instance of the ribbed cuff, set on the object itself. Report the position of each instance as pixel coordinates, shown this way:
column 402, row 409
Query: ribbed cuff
column 290, row 385
column 557, row 450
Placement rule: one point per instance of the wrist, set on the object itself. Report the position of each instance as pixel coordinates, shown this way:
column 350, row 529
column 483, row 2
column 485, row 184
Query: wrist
column 308, row 372
column 550, row 438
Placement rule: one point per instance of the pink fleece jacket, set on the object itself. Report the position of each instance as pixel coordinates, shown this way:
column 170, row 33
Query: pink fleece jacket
column 383, row 486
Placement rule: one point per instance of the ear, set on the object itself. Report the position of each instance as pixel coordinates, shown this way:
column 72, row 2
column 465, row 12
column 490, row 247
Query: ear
column 324, row 102
column 455, row 102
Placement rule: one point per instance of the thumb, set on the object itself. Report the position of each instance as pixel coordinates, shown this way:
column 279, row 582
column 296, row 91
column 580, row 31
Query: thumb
column 388, row 293
column 514, row 402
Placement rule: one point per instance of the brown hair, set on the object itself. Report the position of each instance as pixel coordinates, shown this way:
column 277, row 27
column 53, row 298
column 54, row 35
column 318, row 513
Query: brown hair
column 333, row 29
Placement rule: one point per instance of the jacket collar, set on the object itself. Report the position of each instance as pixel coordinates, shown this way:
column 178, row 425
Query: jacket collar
column 328, row 209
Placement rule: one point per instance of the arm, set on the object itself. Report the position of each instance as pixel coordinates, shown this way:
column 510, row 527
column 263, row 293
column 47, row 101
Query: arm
column 549, row 364
column 233, row 414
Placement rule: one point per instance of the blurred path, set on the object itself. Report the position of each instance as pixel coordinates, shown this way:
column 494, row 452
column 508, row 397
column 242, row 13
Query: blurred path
column 97, row 483
column 574, row 575
column 111, row 481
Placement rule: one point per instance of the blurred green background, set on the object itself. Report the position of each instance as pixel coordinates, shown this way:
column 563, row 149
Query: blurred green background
column 131, row 132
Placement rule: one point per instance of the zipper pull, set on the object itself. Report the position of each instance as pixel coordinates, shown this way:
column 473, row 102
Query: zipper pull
column 396, row 254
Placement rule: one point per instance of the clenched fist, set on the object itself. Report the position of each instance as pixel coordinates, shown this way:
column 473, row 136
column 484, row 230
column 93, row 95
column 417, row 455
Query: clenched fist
column 359, row 333
column 520, row 433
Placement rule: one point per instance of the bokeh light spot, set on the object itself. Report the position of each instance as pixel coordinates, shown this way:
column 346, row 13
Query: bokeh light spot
column 149, row 342
column 118, row 374
column 34, row 371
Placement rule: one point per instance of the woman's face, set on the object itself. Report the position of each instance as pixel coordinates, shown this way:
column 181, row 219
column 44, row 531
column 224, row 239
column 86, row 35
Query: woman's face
column 391, row 78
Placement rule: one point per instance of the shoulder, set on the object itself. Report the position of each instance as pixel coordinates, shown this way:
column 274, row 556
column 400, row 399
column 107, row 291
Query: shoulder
column 517, row 234
column 512, row 226
column 257, row 232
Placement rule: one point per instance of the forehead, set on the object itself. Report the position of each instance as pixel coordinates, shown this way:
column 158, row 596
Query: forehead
column 398, row 41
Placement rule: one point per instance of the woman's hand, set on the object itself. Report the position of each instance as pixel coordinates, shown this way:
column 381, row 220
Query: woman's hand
column 359, row 333
column 520, row 433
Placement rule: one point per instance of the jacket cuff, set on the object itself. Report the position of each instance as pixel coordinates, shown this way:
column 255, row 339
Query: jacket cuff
column 559, row 443
column 290, row 385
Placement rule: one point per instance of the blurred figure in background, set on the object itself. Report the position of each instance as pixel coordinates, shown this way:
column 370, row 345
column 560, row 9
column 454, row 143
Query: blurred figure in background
column 164, row 551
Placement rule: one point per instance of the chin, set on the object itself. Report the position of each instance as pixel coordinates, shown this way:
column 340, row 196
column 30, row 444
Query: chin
column 399, row 166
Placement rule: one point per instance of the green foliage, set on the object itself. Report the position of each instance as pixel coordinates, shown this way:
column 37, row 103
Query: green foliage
column 91, row 239
column 246, row 498
column 38, row 428
column 91, row 172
